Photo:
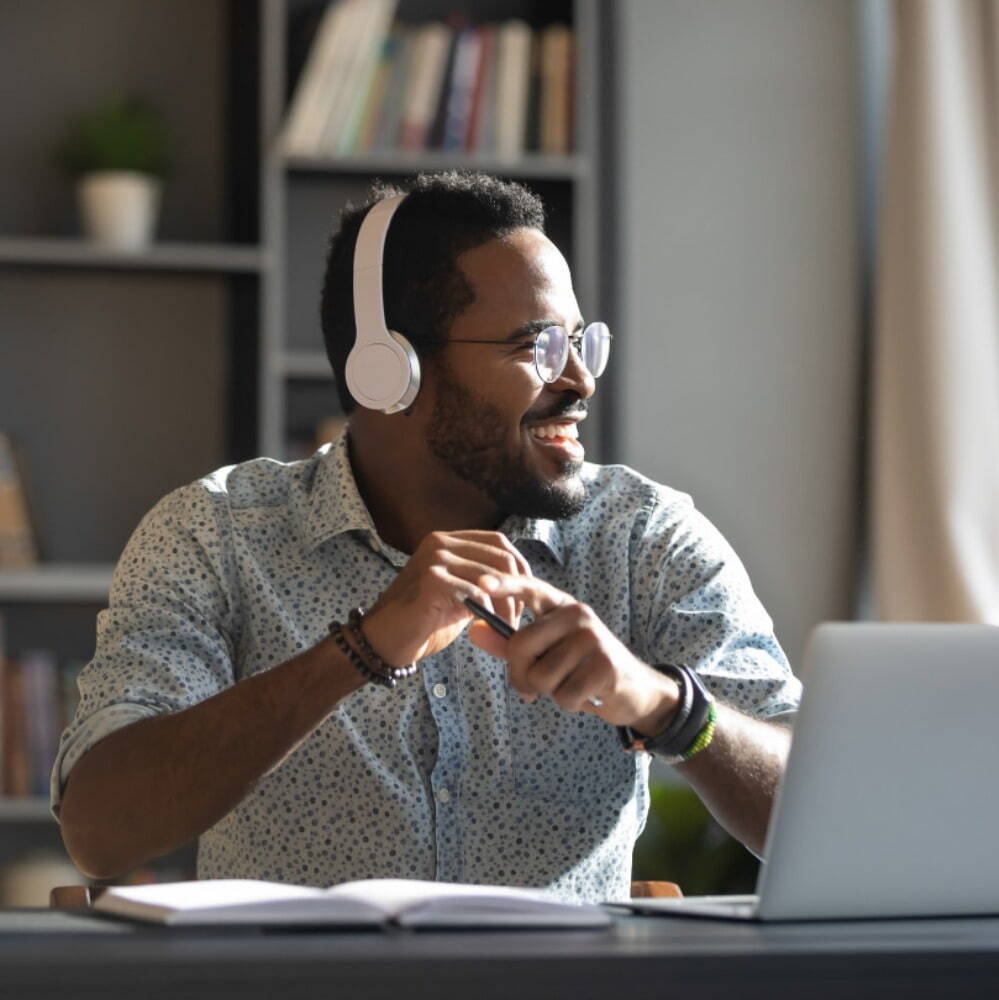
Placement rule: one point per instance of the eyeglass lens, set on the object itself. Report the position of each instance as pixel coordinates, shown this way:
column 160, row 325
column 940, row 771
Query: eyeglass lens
column 551, row 350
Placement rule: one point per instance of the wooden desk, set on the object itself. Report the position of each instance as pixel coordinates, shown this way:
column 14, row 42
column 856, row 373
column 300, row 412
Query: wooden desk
column 46, row 953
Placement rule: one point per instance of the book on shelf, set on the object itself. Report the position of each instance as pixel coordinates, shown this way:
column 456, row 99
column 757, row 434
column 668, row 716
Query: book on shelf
column 435, row 134
column 532, row 123
column 461, row 93
column 365, row 45
column 375, row 902
column 512, row 88
column 17, row 539
column 376, row 99
column 480, row 135
column 555, row 98
column 369, row 84
column 38, row 698
column 423, row 86
column 303, row 125
column 389, row 115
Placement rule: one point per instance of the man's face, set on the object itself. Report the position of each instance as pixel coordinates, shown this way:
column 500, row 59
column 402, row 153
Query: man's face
column 494, row 422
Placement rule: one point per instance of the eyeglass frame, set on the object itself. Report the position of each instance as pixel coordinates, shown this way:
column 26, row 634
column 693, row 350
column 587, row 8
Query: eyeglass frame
column 575, row 343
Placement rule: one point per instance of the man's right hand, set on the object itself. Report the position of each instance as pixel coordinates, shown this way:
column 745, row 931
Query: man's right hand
column 422, row 612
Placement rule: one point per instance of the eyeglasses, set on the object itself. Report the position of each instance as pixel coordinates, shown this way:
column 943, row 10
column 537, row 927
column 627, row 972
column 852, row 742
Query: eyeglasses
column 551, row 349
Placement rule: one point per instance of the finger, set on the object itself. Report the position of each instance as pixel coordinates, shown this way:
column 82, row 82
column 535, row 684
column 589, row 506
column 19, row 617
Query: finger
column 491, row 546
column 449, row 589
column 539, row 596
column 586, row 688
column 555, row 669
column 472, row 571
column 532, row 641
column 499, row 540
column 507, row 608
column 482, row 635
column 491, row 562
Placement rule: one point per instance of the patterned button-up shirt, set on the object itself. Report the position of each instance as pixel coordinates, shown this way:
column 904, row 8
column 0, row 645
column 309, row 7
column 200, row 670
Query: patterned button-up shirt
column 450, row 776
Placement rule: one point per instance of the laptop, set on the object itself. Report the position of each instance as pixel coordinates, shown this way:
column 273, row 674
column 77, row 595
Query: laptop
column 888, row 806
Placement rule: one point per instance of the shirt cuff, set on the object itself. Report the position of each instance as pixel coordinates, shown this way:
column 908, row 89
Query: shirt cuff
column 89, row 731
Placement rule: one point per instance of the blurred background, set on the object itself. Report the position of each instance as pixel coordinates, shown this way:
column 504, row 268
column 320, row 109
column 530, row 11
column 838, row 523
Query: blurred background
column 784, row 209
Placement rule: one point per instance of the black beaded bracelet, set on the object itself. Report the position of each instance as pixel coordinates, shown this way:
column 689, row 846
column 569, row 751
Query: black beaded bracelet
column 354, row 620
column 368, row 663
column 336, row 630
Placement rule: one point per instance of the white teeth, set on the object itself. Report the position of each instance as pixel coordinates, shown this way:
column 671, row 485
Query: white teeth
column 556, row 430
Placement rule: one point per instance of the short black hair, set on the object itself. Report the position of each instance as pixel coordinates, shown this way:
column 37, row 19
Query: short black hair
column 444, row 215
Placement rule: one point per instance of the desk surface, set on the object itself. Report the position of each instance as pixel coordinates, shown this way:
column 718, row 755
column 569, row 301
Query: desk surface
column 46, row 954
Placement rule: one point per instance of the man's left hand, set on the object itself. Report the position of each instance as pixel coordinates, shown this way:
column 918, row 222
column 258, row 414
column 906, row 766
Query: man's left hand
column 569, row 654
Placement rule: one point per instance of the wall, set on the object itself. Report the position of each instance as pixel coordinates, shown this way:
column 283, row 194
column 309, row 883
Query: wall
column 736, row 288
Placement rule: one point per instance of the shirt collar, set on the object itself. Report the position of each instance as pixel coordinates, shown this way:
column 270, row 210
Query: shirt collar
column 335, row 506
column 535, row 529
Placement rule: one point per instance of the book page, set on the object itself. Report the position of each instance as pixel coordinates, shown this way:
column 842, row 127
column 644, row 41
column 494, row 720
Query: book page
column 234, row 901
column 421, row 903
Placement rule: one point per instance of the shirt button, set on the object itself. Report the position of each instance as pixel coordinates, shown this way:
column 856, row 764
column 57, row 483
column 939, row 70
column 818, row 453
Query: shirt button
column 440, row 691
column 443, row 795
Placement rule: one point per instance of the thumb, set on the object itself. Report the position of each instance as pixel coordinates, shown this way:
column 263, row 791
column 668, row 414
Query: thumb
column 484, row 637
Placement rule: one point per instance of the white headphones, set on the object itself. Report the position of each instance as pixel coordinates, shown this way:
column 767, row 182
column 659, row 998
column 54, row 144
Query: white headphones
column 383, row 371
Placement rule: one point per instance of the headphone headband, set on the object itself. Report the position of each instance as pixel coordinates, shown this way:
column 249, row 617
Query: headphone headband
column 369, row 311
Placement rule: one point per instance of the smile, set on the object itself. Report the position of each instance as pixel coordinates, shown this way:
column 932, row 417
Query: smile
column 561, row 437
column 556, row 430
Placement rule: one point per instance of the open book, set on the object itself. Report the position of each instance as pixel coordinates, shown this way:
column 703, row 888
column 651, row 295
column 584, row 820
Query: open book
column 405, row 902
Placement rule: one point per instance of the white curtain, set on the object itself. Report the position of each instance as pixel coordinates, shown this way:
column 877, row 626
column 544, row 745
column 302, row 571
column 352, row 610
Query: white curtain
column 934, row 471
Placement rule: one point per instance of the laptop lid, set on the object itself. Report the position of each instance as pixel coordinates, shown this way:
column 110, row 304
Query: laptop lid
column 888, row 806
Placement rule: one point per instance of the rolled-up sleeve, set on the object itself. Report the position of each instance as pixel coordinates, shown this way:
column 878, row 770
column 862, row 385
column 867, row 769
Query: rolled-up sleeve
column 704, row 613
column 165, row 641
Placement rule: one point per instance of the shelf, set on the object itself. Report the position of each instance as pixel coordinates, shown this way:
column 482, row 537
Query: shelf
column 27, row 810
column 57, row 582
column 303, row 364
column 533, row 165
column 218, row 258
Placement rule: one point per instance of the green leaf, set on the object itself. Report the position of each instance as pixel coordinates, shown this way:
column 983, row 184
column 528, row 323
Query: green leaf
column 124, row 134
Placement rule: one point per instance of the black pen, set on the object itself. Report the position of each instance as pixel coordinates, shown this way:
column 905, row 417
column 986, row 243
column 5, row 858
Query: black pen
column 505, row 629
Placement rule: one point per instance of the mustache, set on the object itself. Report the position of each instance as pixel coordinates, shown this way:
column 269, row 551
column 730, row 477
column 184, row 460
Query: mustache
column 572, row 407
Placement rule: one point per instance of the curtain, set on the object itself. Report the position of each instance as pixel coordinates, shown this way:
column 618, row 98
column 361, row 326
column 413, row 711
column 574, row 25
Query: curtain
column 934, row 456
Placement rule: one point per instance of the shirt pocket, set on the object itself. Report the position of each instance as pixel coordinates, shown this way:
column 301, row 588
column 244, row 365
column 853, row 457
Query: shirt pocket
column 567, row 756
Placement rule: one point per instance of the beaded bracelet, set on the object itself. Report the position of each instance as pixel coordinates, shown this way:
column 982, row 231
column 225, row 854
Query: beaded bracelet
column 337, row 630
column 354, row 621
column 691, row 729
column 368, row 663
column 704, row 737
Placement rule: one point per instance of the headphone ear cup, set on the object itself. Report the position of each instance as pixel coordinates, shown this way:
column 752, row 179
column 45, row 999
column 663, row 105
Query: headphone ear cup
column 384, row 375
column 412, row 373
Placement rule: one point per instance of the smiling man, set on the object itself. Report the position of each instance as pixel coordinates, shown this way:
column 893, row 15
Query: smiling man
column 286, row 670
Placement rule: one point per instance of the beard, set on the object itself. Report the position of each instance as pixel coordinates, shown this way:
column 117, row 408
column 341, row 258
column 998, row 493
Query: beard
column 468, row 434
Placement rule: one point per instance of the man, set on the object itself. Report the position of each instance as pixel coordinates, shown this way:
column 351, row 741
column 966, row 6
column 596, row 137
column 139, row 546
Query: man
column 222, row 703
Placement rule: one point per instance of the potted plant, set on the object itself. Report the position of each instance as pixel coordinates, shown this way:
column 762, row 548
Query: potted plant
column 683, row 843
column 118, row 154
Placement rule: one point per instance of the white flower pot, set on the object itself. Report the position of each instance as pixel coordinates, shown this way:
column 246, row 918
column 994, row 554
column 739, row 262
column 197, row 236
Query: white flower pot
column 119, row 208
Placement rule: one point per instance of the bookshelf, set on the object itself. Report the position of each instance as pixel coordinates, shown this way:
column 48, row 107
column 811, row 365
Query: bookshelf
column 40, row 252
column 530, row 166
column 126, row 375
column 87, row 582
